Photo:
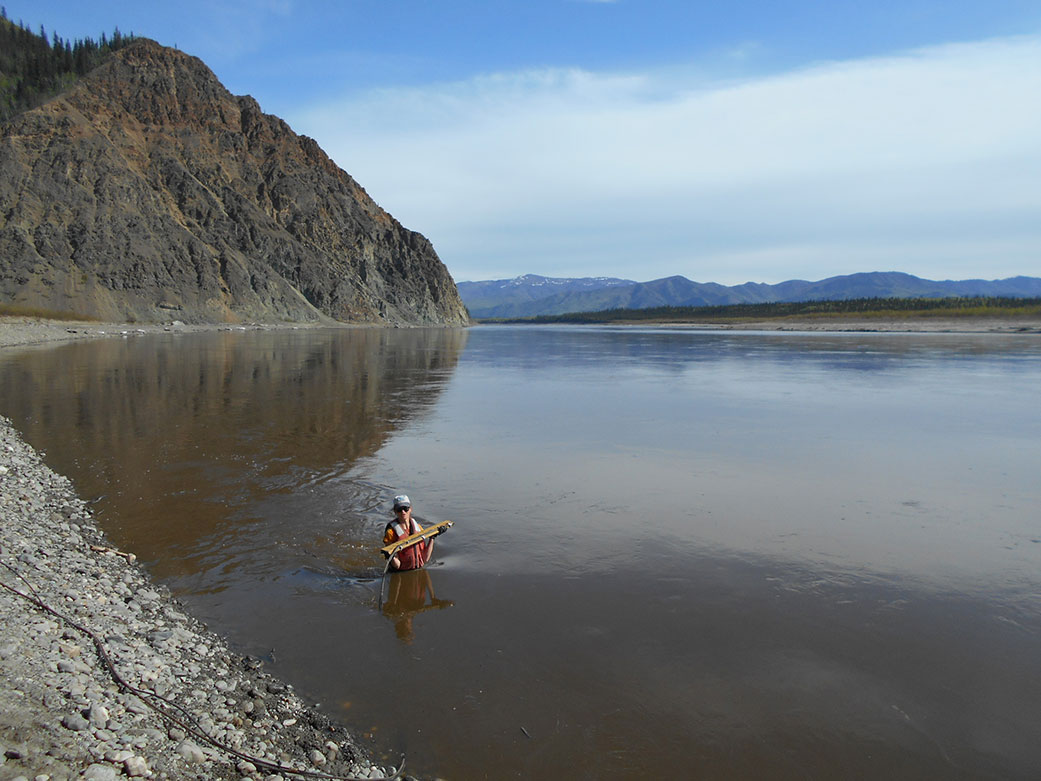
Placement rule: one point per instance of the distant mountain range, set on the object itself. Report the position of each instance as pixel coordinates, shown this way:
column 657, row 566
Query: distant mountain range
column 531, row 295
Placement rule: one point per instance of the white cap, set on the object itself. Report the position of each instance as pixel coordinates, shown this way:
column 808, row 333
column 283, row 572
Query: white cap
column 401, row 500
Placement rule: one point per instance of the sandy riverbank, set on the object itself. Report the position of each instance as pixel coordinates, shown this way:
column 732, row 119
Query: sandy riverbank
column 65, row 712
column 920, row 325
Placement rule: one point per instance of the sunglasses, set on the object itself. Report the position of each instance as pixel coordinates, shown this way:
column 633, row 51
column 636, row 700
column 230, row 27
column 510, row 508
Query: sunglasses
column 402, row 509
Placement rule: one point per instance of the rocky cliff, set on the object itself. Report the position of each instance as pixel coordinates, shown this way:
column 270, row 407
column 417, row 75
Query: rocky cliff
column 149, row 192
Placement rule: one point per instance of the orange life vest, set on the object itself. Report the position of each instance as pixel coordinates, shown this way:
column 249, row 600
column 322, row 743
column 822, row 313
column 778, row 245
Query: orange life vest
column 414, row 556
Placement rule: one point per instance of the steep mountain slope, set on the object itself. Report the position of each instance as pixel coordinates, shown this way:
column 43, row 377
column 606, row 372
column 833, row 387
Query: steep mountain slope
column 680, row 291
column 147, row 191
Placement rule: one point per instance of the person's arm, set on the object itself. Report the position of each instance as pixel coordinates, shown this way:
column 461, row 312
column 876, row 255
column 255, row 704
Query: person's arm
column 388, row 537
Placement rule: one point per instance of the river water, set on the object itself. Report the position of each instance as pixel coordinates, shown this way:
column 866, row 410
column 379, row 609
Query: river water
column 701, row 553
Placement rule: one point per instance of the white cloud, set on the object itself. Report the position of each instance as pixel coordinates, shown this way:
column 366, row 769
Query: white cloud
column 927, row 162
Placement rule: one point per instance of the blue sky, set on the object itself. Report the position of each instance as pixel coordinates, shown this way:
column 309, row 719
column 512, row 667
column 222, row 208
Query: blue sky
column 726, row 142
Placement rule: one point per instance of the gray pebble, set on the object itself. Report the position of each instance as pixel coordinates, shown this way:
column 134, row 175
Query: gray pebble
column 135, row 767
column 75, row 722
column 100, row 773
column 98, row 716
column 190, row 752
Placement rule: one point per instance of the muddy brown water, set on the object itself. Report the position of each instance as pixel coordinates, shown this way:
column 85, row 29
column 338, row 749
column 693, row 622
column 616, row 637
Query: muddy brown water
column 677, row 553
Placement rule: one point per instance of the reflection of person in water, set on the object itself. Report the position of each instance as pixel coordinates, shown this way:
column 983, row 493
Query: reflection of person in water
column 402, row 526
column 407, row 598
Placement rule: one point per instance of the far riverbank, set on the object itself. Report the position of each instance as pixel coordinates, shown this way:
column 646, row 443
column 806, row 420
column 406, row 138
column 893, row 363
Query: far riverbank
column 967, row 325
column 887, row 315
column 953, row 325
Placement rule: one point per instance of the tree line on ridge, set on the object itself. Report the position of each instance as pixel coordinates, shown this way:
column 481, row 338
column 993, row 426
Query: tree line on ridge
column 33, row 69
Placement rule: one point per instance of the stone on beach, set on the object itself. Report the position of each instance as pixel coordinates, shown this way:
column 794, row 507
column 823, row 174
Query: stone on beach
column 75, row 722
column 191, row 752
column 98, row 772
column 135, row 767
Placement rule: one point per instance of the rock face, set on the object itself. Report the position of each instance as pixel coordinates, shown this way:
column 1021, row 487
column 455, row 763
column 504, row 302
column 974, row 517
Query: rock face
column 149, row 192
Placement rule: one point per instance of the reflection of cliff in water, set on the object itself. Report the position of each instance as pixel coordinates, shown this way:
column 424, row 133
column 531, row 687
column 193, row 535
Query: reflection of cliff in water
column 181, row 433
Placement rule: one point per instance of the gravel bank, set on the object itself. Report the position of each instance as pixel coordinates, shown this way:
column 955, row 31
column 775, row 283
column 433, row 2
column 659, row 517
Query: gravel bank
column 63, row 712
column 16, row 331
column 917, row 325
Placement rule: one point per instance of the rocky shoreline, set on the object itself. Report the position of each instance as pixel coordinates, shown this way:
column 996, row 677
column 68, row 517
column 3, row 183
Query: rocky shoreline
column 65, row 714
column 103, row 674
column 23, row 331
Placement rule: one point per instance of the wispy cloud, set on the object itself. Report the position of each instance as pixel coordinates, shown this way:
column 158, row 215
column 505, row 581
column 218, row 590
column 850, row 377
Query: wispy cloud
column 925, row 161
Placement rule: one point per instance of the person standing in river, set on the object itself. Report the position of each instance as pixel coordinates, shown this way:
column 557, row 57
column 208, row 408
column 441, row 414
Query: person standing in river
column 402, row 526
